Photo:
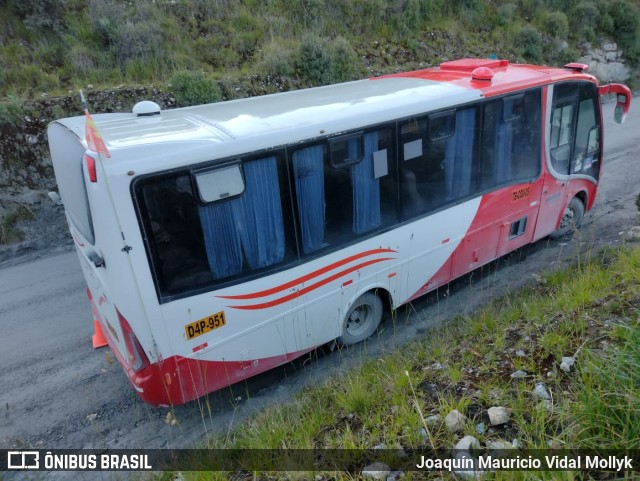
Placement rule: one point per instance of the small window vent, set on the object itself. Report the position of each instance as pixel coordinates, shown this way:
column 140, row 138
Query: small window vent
column 146, row 108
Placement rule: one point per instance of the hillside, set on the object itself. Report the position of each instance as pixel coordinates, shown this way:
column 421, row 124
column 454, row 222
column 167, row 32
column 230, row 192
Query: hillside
column 53, row 46
column 184, row 52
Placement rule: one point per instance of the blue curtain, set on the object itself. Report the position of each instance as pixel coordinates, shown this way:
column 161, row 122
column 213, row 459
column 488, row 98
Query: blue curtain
column 504, row 143
column 366, row 188
column 308, row 172
column 221, row 239
column 251, row 224
column 458, row 156
column 258, row 214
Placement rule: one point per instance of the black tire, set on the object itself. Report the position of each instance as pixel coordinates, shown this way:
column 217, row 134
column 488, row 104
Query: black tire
column 571, row 219
column 362, row 319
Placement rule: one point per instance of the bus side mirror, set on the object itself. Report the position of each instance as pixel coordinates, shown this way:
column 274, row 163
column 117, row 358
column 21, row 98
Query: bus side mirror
column 623, row 100
column 619, row 115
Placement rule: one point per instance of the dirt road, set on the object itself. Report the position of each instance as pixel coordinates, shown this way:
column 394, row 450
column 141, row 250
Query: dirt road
column 57, row 392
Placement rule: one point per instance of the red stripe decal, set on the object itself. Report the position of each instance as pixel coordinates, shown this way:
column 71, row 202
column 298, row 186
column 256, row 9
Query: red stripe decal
column 309, row 276
column 349, row 282
column 312, row 287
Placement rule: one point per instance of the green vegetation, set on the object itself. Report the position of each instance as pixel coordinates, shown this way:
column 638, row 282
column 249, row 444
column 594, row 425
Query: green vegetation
column 52, row 46
column 590, row 312
column 9, row 233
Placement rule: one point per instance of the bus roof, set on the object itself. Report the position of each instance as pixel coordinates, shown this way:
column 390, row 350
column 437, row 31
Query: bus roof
column 295, row 116
column 501, row 76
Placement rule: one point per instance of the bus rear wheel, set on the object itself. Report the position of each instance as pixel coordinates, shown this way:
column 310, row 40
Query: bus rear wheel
column 362, row 319
column 571, row 219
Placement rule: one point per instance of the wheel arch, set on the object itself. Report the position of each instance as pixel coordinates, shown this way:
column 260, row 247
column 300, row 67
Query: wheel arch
column 379, row 290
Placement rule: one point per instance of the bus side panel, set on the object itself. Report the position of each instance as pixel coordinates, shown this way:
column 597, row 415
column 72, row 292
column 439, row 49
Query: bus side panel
column 262, row 331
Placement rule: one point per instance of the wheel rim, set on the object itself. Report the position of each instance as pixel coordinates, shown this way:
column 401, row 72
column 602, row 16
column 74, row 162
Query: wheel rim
column 359, row 319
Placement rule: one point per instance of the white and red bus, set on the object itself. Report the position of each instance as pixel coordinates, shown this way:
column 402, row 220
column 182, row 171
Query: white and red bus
column 222, row 240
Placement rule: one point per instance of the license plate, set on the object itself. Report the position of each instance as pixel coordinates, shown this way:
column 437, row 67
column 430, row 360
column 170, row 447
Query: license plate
column 204, row 325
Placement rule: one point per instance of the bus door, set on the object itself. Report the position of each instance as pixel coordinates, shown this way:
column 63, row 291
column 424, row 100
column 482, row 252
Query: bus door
column 507, row 170
column 573, row 149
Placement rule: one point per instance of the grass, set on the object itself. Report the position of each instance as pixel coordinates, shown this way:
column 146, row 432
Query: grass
column 590, row 311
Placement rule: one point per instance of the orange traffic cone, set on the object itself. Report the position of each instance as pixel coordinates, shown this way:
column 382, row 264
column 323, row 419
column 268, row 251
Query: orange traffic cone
column 98, row 338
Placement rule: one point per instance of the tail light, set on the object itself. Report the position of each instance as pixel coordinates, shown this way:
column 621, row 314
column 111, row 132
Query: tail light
column 136, row 356
column 91, row 168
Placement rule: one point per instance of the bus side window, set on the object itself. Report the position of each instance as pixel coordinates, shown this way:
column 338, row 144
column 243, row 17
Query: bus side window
column 421, row 169
column 246, row 232
column 335, row 199
column 175, row 234
column 460, row 155
column 511, row 140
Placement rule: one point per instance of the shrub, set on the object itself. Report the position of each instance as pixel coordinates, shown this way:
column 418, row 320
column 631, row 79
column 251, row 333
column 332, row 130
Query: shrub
column 506, row 14
column 626, row 28
column 277, row 60
column 106, row 20
column 585, row 19
column 193, row 88
column 11, row 112
column 556, row 24
column 323, row 62
column 9, row 232
column 41, row 15
column 529, row 42
column 346, row 64
column 314, row 61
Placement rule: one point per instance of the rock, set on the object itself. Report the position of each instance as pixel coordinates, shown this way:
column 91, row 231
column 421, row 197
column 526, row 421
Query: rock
column 380, row 446
column 567, row 363
column 498, row 415
column 541, row 392
column 633, row 234
column 605, row 63
column 394, row 475
column 520, row 353
column 468, row 443
column 376, row 470
column 423, row 433
column 401, row 454
column 474, row 473
column 499, row 444
column 433, row 421
column 519, row 375
column 455, row 421
column 481, row 428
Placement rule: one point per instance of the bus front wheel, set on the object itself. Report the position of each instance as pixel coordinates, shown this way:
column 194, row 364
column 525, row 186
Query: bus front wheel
column 362, row 319
column 571, row 218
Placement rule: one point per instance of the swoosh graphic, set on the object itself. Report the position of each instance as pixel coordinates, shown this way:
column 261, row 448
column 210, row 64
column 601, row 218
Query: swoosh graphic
column 312, row 287
column 309, row 276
